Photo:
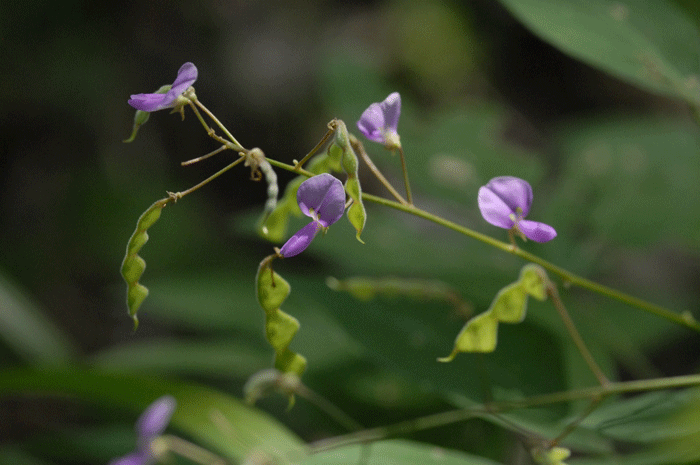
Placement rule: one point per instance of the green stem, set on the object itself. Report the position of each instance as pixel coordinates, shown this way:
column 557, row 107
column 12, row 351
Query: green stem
column 179, row 195
column 685, row 319
column 405, row 176
column 573, row 332
column 480, row 411
column 358, row 147
column 218, row 123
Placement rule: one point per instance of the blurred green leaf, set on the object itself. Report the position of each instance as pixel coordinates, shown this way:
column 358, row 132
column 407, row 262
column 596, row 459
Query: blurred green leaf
column 212, row 358
column 631, row 180
column 28, row 331
column 215, row 419
column 395, row 452
column 652, row 45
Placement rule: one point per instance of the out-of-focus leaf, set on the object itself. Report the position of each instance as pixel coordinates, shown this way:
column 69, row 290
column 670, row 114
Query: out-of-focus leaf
column 652, row 45
column 216, row 420
column 395, row 452
column 633, row 181
column 27, row 330
column 219, row 359
column 649, row 417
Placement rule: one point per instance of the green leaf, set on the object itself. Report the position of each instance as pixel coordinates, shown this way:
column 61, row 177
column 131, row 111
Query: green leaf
column 395, row 452
column 280, row 328
column 214, row 419
column 133, row 265
column 28, row 331
column 652, row 45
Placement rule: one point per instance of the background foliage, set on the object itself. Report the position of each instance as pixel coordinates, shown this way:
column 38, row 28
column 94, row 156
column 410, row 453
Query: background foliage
column 592, row 102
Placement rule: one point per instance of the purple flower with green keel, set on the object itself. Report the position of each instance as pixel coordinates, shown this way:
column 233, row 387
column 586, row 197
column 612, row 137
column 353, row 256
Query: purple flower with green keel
column 322, row 198
column 505, row 202
column 149, row 426
column 186, row 76
column 380, row 121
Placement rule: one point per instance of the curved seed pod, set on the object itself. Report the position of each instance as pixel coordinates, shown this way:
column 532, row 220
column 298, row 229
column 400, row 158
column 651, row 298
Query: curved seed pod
column 280, row 328
column 133, row 265
column 479, row 334
column 535, row 281
column 341, row 146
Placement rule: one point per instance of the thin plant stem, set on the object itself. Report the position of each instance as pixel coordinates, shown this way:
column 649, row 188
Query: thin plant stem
column 573, row 425
column 405, row 176
column 597, row 393
column 327, row 406
column 575, row 335
column 218, row 123
column 192, row 451
column 358, row 147
column 179, row 195
column 204, row 157
column 321, row 143
column 685, row 319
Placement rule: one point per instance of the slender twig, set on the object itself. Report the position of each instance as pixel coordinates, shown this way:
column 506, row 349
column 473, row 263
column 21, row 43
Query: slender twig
column 179, row 195
column 575, row 335
column 405, row 176
column 480, row 411
column 319, row 146
column 204, row 157
column 358, row 147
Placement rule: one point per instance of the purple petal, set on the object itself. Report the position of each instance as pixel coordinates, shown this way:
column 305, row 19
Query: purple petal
column 155, row 418
column 147, row 102
column 137, row 458
column 381, row 119
column 514, row 192
column 324, row 195
column 301, row 240
column 391, row 108
column 186, row 76
column 536, row 231
column 494, row 209
column 371, row 123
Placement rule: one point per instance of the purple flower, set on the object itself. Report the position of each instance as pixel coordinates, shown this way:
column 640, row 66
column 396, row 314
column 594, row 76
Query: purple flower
column 380, row 121
column 321, row 198
column 186, row 76
column 505, row 201
column 149, row 426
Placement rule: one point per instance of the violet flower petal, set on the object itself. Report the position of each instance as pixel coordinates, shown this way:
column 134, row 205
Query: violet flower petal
column 380, row 121
column 155, row 418
column 515, row 192
column 300, row 240
column 322, row 197
column 494, row 209
column 186, row 76
column 536, row 231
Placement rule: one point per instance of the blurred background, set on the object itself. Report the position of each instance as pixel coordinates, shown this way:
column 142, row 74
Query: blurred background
column 614, row 168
